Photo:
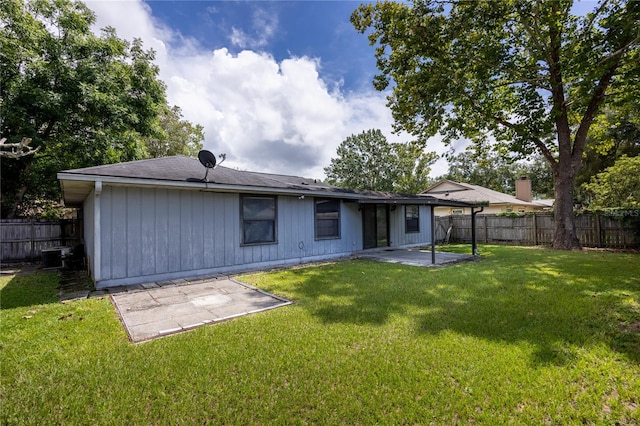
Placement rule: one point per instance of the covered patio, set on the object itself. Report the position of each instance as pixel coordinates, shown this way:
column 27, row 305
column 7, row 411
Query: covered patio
column 415, row 257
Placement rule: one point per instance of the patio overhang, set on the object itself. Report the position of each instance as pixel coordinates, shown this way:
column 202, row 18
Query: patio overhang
column 420, row 200
column 399, row 200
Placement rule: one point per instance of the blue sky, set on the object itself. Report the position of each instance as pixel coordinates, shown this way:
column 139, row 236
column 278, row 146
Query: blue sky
column 276, row 85
column 315, row 29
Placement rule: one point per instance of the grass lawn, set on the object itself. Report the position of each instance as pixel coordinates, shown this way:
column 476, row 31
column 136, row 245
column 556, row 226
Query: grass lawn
column 524, row 336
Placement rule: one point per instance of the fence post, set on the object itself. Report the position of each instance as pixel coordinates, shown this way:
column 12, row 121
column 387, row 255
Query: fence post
column 63, row 236
column 598, row 228
column 535, row 229
column 486, row 229
column 32, row 247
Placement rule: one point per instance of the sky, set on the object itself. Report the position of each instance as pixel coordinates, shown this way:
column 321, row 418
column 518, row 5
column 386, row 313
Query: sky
column 277, row 86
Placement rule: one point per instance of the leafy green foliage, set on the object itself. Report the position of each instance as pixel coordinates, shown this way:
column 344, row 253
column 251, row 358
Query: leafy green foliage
column 616, row 132
column 618, row 186
column 175, row 136
column 490, row 169
column 369, row 161
column 524, row 336
column 528, row 73
column 83, row 99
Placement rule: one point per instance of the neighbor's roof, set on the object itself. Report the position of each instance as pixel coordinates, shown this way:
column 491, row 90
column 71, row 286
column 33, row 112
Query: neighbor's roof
column 185, row 172
column 452, row 190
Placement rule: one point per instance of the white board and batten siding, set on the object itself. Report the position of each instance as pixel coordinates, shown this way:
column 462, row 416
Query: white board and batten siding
column 155, row 234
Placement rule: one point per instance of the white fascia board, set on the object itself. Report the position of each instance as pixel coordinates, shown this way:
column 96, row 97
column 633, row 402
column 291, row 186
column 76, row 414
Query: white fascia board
column 198, row 186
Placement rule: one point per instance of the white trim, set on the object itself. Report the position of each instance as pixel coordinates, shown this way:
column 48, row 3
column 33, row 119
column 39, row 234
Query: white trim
column 97, row 249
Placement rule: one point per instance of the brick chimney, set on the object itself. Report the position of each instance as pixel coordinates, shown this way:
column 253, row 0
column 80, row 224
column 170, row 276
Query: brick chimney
column 523, row 189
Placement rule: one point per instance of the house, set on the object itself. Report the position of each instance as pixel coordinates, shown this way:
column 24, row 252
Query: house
column 157, row 219
column 498, row 202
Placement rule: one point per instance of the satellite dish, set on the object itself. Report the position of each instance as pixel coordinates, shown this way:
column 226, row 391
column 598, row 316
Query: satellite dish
column 208, row 160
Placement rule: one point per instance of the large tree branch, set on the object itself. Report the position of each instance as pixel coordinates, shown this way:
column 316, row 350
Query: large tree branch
column 621, row 51
column 592, row 108
column 544, row 150
column 559, row 109
column 17, row 150
column 587, row 28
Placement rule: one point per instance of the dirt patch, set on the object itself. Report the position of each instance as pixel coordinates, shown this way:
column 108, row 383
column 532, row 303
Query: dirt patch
column 19, row 268
column 634, row 327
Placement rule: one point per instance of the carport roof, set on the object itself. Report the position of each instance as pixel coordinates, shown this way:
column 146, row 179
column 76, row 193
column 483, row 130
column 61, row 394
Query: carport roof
column 185, row 172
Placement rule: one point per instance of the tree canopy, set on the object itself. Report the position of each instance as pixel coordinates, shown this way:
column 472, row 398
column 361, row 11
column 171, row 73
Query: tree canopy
column 529, row 74
column 174, row 136
column 368, row 161
column 490, row 169
column 616, row 187
column 83, row 99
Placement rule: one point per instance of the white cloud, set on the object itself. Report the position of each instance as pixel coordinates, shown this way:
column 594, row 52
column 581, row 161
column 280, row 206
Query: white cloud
column 270, row 116
column 264, row 26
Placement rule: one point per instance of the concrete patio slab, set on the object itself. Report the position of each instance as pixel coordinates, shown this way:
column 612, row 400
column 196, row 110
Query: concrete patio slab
column 415, row 257
column 155, row 310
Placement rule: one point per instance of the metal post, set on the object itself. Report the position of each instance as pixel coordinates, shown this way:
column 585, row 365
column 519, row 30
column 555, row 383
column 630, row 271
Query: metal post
column 474, row 243
column 433, row 235
column 474, row 247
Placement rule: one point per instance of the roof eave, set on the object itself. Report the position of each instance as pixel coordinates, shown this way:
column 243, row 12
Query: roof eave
column 203, row 186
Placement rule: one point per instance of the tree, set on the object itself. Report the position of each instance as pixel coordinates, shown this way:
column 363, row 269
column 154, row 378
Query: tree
column 83, row 99
column 528, row 73
column 616, row 133
column 368, row 161
column 16, row 150
column 174, row 136
column 492, row 170
column 481, row 167
column 618, row 186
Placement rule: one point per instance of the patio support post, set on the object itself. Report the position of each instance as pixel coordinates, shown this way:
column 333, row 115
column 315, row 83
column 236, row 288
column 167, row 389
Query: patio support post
column 97, row 233
column 474, row 242
column 433, row 235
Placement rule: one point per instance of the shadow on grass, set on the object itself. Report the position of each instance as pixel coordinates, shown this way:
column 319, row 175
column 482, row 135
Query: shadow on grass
column 558, row 302
column 28, row 290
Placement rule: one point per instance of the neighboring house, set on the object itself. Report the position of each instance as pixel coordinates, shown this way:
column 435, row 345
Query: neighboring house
column 498, row 202
column 154, row 220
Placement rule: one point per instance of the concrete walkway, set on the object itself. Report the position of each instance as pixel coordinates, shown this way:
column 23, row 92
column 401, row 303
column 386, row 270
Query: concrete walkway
column 415, row 257
column 158, row 309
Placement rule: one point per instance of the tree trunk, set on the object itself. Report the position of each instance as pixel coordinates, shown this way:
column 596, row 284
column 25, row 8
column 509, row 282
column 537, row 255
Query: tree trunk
column 13, row 210
column 565, row 237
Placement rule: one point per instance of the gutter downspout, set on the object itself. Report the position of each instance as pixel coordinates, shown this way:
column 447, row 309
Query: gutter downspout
column 474, row 243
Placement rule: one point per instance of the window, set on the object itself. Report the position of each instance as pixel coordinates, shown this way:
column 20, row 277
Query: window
column 411, row 219
column 327, row 219
column 258, row 219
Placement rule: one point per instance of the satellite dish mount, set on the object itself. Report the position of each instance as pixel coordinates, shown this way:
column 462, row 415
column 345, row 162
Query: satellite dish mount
column 208, row 160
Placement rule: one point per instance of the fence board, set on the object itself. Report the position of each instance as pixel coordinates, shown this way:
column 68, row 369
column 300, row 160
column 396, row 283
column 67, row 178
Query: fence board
column 24, row 239
column 592, row 229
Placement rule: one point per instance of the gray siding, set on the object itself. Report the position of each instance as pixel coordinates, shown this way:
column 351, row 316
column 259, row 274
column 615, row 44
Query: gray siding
column 88, row 211
column 155, row 234
column 400, row 238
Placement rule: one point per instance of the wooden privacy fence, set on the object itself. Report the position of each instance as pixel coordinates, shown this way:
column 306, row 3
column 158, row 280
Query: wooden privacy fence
column 24, row 239
column 597, row 229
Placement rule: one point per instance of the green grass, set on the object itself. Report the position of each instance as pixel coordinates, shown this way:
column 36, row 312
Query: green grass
column 524, row 336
